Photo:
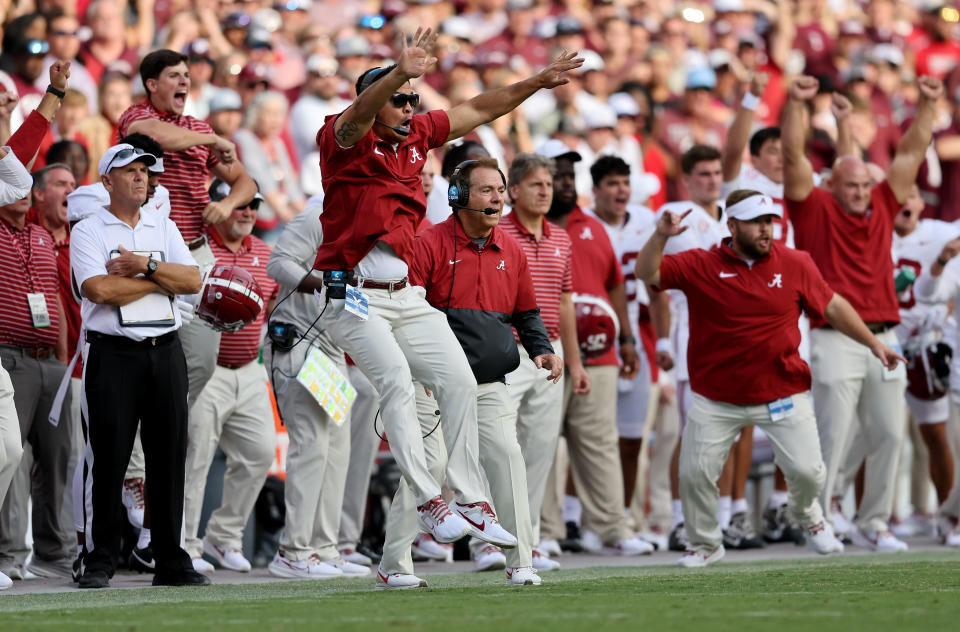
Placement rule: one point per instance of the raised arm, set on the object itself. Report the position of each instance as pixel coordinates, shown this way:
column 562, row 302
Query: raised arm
column 842, row 109
column 493, row 104
column 842, row 317
column 739, row 133
column 930, row 286
column 651, row 255
column 797, row 170
column 913, row 146
column 174, row 138
column 413, row 61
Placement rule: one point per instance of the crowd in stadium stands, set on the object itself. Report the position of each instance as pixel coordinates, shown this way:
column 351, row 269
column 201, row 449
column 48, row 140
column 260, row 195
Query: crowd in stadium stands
column 844, row 115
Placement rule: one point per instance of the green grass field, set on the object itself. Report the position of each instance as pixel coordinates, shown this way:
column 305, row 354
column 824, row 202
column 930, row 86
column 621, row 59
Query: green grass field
column 906, row 592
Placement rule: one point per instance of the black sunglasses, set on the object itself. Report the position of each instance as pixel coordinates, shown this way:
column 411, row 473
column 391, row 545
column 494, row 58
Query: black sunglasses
column 400, row 99
column 253, row 205
column 123, row 154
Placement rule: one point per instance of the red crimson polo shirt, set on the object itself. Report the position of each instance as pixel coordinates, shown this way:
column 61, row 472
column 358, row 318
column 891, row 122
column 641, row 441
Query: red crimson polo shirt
column 852, row 252
column 185, row 172
column 482, row 290
column 243, row 347
column 28, row 263
column 373, row 191
column 551, row 266
column 596, row 268
column 743, row 320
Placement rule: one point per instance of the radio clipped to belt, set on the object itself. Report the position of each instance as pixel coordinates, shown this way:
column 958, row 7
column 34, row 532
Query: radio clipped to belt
column 282, row 335
column 336, row 282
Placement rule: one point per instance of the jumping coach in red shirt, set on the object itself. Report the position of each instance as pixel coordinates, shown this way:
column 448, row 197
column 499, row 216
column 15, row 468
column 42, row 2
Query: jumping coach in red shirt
column 847, row 228
column 371, row 156
column 485, row 293
column 745, row 298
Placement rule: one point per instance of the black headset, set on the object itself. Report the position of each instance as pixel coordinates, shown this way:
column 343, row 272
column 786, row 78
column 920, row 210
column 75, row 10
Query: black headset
column 458, row 193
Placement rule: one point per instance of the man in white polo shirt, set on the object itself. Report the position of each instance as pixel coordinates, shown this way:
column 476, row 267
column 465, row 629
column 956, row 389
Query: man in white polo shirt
column 134, row 369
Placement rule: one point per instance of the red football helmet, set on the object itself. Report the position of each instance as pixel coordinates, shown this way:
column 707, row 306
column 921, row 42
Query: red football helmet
column 928, row 371
column 597, row 325
column 230, row 299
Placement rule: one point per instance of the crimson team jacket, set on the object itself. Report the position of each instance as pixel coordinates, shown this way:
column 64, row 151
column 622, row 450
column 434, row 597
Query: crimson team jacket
column 483, row 291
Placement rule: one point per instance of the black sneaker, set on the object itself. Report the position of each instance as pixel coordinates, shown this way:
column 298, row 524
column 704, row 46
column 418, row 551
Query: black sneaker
column 778, row 526
column 181, row 578
column 678, row 538
column 94, row 579
column 77, row 568
column 572, row 541
column 740, row 534
column 141, row 560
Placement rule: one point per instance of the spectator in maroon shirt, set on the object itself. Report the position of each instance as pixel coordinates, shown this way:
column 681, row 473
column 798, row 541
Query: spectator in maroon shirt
column 107, row 42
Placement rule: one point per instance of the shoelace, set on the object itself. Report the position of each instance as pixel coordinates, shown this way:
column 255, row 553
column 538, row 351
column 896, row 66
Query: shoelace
column 817, row 528
column 437, row 509
column 485, row 509
column 135, row 487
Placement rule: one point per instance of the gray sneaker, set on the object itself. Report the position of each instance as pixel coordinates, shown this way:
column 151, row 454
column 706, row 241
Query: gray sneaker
column 779, row 527
column 54, row 569
column 740, row 534
column 678, row 538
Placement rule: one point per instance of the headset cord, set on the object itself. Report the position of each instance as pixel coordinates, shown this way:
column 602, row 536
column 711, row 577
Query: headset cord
column 384, row 439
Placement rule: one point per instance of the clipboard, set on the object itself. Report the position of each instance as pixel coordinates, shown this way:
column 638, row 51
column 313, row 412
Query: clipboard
column 153, row 310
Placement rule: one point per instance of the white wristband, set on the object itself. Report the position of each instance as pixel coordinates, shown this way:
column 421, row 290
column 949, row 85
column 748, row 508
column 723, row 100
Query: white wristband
column 663, row 345
column 750, row 101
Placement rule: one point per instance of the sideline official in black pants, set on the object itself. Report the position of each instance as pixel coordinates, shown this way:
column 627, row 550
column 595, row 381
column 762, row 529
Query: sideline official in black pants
column 134, row 368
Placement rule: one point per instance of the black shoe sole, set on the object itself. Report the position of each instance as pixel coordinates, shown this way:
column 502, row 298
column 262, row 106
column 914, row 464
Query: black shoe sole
column 199, row 580
column 93, row 582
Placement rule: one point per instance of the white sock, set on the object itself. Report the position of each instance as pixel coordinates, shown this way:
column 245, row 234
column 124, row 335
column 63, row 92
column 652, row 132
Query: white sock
column 778, row 499
column 79, row 550
column 572, row 509
column 677, row 513
column 723, row 512
column 144, row 540
column 739, row 506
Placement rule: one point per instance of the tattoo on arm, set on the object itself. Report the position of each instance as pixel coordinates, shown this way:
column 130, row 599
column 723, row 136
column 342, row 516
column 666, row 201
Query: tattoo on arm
column 346, row 132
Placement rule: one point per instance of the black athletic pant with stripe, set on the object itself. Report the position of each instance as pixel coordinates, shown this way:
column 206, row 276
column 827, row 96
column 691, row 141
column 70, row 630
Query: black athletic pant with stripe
column 126, row 382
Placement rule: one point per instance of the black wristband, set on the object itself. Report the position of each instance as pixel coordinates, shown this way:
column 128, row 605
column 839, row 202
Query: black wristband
column 943, row 264
column 56, row 92
column 625, row 340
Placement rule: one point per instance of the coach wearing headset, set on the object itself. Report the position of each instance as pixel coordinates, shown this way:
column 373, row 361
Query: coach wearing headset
column 478, row 275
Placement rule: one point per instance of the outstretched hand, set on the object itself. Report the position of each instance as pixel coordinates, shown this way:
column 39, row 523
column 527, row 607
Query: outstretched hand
column 552, row 76
column 804, row 88
column 415, row 58
column 887, row 356
column 669, row 224
column 552, row 363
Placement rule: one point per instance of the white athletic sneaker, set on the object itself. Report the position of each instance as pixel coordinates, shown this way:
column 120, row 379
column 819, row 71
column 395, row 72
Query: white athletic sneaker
column 444, row 525
column 657, row 538
column 490, row 558
column 426, row 548
column 879, row 541
column 309, row 568
column 398, row 581
column 523, row 576
column 549, row 547
column 591, row 542
column 483, row 524
column 841, row 526
column 355, row 557
column 543, row 563
column 822, row 539
column 953, row 537
column 349, row 569
column 915, row 524
column 5, row 582
column 230, row 559
column 132, row 497
column 699, row 559
column 633, row 546
column 202, row 566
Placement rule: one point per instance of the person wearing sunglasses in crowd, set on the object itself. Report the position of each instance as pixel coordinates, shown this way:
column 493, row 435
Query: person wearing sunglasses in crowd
column 371, row 156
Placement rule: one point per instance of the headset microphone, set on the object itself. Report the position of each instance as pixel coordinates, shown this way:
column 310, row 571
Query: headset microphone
column 485, row 211
column 403, row 131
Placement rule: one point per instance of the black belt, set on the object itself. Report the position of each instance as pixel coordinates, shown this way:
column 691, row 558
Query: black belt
column 875, row 328
column 123, row 341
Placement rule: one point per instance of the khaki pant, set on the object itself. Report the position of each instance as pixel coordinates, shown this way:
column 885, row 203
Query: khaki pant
column 402, row 525
column 200, row 342
column 11, row 448
column 233, row 410
column 538, row 403
column 854, row 395
column 316, row 459
column 711, row 429
column 590, row 429
column 406, row 338
column 42, row 478
column 653, row 485
column 364, row 443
